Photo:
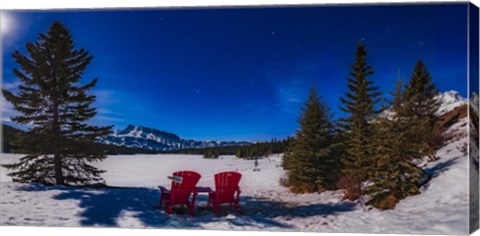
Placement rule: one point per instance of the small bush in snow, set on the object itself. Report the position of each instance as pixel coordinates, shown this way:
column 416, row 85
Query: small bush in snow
column 351, row 185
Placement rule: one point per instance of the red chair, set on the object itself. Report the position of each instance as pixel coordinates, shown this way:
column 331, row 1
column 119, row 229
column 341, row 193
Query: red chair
column 183, row 186
column 226, row 191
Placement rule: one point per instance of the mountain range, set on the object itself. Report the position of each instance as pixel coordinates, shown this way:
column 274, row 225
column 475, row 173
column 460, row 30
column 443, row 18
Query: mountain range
column 149, row 138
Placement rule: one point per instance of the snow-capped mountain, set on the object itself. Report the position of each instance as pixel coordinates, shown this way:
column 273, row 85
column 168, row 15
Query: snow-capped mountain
column 153, row 139
column 450, row 100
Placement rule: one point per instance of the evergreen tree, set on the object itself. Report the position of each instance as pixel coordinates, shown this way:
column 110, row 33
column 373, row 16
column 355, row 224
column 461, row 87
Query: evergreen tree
column 60, row 144
column 420, row 106
column 395, row 176
column 357, row 130
column 211, row 153
column 311, row 161
column 239, row 152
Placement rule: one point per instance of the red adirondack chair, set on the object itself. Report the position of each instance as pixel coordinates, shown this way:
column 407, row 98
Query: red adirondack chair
column 226, row 191
column 183, row 186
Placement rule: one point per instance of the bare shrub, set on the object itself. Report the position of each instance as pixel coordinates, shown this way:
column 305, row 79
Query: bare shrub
column 453, row 136
column 283, row 181
column 385, row 201
column 302, row 189
column 463, row 148
column 351, row 185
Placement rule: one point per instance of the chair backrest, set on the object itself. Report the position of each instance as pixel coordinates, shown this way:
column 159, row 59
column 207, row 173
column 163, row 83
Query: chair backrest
column 226, row 183
column 183, row 184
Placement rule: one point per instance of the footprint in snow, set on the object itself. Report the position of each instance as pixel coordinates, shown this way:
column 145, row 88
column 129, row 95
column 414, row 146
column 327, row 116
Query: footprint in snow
column 30, row 219
column 238, row 222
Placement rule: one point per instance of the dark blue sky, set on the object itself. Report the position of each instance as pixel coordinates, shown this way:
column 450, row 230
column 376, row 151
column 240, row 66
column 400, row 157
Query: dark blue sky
column 242, row 74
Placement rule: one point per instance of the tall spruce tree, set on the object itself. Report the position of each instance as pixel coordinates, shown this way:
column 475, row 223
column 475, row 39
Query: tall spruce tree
column 420, row 106
column 311, row 161
column 395, row 176
column 357, row 130
column 60, row 145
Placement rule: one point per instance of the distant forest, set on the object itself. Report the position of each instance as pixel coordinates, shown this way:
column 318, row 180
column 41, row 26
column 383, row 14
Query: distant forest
column 253, row 151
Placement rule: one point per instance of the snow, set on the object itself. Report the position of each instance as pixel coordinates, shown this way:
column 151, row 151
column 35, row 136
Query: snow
column 441, row 208
column 450, row 100
column 474, row 156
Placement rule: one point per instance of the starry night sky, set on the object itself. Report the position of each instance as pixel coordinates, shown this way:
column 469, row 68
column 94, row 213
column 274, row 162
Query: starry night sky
column 243, row 73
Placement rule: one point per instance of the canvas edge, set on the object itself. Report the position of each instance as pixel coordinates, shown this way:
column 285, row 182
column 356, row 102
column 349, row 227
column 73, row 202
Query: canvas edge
column 473, row 68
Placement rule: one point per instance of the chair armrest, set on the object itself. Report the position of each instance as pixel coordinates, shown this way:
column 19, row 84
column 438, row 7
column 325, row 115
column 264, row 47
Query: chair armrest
column 163, row 189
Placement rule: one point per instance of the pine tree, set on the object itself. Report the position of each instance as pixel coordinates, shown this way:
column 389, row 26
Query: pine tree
column 311, row 161
column 239, row 152
column 357, row 130
column 60, row 145
column 395, row 176
column 420, row 106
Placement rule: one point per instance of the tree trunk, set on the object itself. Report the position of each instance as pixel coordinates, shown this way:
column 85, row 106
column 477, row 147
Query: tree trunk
column 58, row 169
column 57, row 156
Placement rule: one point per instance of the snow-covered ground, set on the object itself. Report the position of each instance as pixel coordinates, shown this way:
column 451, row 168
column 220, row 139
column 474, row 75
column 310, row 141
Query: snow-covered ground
column 441, row 208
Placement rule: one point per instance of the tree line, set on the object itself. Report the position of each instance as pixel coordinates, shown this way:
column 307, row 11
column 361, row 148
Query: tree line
column 263, row 149
column 252, row 151
column 372, row 150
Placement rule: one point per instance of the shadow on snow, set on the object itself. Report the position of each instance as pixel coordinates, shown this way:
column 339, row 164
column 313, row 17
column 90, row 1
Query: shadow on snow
column 441, row 167
column 108, row 206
